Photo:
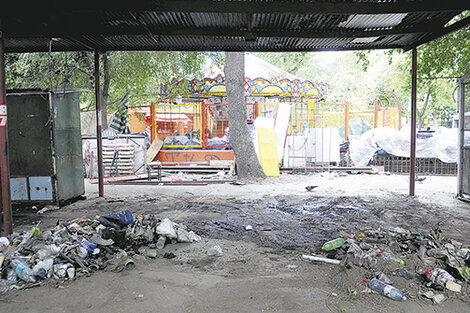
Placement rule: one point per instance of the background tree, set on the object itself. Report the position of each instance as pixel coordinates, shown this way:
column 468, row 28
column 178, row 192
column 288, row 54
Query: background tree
column 248, row 166
column 139, row 72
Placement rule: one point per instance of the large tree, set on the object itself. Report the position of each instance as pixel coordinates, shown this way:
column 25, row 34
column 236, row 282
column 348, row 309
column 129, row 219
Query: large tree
column 248, row 166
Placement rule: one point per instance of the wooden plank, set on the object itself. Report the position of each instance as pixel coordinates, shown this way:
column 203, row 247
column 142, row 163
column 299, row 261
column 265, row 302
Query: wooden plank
column 153, row 150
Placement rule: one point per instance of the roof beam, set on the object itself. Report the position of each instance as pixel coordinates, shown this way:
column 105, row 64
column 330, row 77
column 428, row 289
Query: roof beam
column 90, row 30
column 203, row 47
column 20, row 7
column 442, row 32
column 309, row 7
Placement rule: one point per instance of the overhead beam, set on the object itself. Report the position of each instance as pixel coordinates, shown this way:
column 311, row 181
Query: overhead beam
column 209, row 47
column 95, row 30
column 19, row 8
column 439, row 33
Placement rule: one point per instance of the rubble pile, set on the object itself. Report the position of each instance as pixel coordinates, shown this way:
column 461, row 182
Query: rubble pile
column 436, row 267
column 79, row 247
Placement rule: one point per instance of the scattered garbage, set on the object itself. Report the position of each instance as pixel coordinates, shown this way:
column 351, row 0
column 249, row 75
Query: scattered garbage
column 333, row 244
column 386, row 290
column 420, row 264
column 436, row 298
column 152, row 253
column 439, row 276
column 81, row 246
column 248, row 227
column 464, row 271
column 4, row 241
column 23, row 271
column 161, row 242
column 320, row 259
column 167, row 229
column 215, row 251
column 117, row 220
column 47, row 208
column 453, row 286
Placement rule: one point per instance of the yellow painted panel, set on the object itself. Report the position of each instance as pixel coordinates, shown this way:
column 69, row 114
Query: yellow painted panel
column 268, row 151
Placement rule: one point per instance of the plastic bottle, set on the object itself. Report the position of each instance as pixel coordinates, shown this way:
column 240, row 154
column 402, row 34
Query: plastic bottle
column 161, row 242
column 333, row 244
column 392, row 258
column 439, row 276
column 386, row 290
column 23, row 271
column 11, row 277
column 86, row 248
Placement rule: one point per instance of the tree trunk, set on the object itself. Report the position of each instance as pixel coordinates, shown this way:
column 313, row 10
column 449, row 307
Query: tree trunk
column 248, row 166
column 105, row 94
column 421, row 113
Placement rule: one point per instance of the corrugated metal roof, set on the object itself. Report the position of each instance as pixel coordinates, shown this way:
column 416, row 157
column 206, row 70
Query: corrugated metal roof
column 256, row 25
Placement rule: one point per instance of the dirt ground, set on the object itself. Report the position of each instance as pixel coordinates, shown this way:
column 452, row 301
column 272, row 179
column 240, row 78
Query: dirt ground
column 260, row 270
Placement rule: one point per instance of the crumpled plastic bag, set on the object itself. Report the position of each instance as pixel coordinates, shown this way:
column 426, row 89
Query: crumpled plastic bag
column 186, row 236
column 117, row 220
column 166, row 228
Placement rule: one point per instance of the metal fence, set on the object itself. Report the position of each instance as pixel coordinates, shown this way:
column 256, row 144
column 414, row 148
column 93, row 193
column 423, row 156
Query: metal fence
column 425, row 166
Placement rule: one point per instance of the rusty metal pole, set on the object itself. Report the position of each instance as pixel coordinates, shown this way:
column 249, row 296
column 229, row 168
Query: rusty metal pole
column 99, row 126
column 4, row 163
column 153, row 122
column 414, row 68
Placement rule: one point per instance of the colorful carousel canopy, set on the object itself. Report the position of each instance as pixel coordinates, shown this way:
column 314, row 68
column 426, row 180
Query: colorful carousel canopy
column 253, row 87
column 269, row 80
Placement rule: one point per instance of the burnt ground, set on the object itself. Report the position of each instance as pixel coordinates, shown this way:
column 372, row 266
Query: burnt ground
column 290, row 222
column 261, row 269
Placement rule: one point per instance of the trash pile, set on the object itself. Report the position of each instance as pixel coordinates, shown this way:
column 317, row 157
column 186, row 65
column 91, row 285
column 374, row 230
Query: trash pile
column 81, row 246
column 436, row 267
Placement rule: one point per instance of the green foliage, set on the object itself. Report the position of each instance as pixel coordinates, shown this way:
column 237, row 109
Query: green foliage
column 362, row 76
column 363, row 59
column 139, row 72
column 448, row 55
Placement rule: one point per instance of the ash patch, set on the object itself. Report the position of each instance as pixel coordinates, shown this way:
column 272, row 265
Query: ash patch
column 290, row 223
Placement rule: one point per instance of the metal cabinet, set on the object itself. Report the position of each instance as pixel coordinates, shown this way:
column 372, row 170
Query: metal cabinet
column 45, row 149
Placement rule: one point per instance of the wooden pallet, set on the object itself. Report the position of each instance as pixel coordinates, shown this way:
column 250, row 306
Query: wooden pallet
column 124, row 162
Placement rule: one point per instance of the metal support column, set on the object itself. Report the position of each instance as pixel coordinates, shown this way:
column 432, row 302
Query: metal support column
column 414, row 67
column 4, row 163
column 99, row 127
column 461, row 111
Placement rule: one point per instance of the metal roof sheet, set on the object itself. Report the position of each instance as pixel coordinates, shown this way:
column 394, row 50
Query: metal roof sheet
column 249, row 25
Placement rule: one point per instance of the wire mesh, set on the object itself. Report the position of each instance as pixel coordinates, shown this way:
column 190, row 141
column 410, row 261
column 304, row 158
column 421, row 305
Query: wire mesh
column 179, row 125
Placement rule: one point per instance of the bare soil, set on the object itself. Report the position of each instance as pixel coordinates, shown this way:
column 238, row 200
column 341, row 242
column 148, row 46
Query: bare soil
column 261, row 270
